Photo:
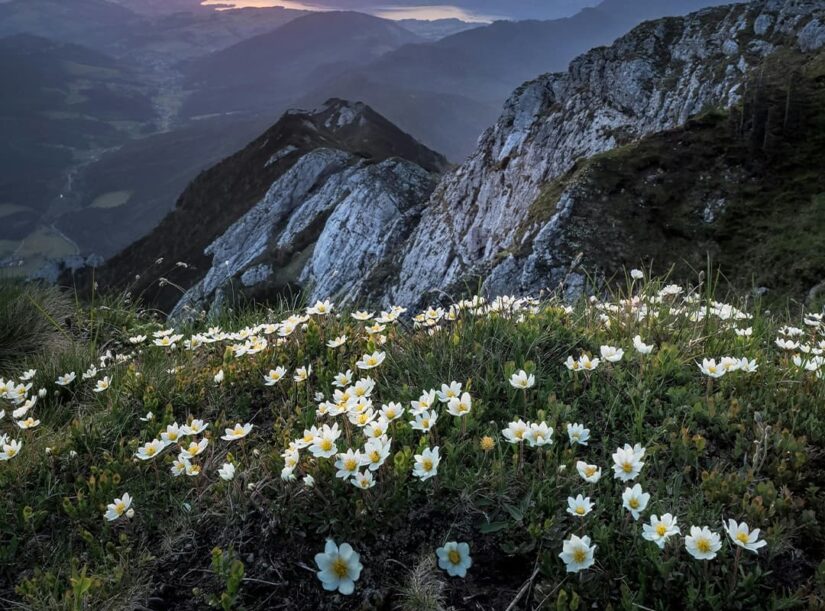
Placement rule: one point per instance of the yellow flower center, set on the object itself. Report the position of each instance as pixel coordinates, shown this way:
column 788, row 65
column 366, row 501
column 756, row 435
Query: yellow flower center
column 375, row 456
column 339, row 568
column 350, row 464
column 120, row 507
column 580, row 510
column 661, row 529
column 454, row 556
column 150, row 451
column 425, row 423
column 703, row 545
column 742, row 537
column 634, row 503
column 427, row 464
column 627, row 467
column 579, row 555
column 326, row 445
column 589, row 471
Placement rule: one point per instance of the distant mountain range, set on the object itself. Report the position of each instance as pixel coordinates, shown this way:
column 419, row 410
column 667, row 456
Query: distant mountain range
column 266, row 71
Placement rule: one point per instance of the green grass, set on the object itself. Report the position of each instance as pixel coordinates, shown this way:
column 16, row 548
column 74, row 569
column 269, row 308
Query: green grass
column 746, row 447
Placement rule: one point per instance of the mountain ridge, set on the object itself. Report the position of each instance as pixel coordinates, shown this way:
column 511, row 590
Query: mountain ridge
column 352, row 134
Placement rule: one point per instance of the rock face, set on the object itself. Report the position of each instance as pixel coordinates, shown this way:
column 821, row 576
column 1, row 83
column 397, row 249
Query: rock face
column 650, row 80
column 327, row 224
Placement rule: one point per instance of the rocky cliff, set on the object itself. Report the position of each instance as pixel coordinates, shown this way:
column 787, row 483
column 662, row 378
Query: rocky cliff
column 653, row 79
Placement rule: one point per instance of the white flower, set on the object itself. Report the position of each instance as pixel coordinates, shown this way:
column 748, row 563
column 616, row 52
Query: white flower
column 711, row 369
column 454, row 558
column 376, row 452
column 424, row 421
column 339, row 567
column 628, row 462
column 637, row 274
column 196, row 427
column 151, row 449
column 348, row 463
column 611, row 354
column 302, row 374
column 450, row 391
column 516, row 431
column 578, row 434
column 589, row 473
column 660, row 529
column 426, row 463
column 748, row 366
column 309, row 481
column 743, row 536
column 194, row 449
column 66, row 379
column 10, row 448
column 238, row 432
column 337, row 342
column 539, row 435
column 219, row 377
column 588, row 364
column 227, row 471
column 363, row 480
column 321, row 308
column 579, row 506
column 370, row 361
column 635, row 501
column 274, row 376
column 119, row 507
column 22, row 410
column 460, row 406
column 577, row 553
column 425, row 402
column 28, row 423
column 343, row 379
column 102, row 384
column 148, row 417
column 702, row 543
column 324, row 444
column 522, row 380
column 641, row 347
column 28, row 375
column 391, row 411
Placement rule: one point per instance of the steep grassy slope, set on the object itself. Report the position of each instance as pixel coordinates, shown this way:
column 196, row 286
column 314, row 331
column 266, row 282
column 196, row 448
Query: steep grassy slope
column 746, row 446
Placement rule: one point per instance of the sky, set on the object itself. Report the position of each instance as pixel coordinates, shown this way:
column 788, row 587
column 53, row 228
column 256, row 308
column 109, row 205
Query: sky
column 466, row 10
